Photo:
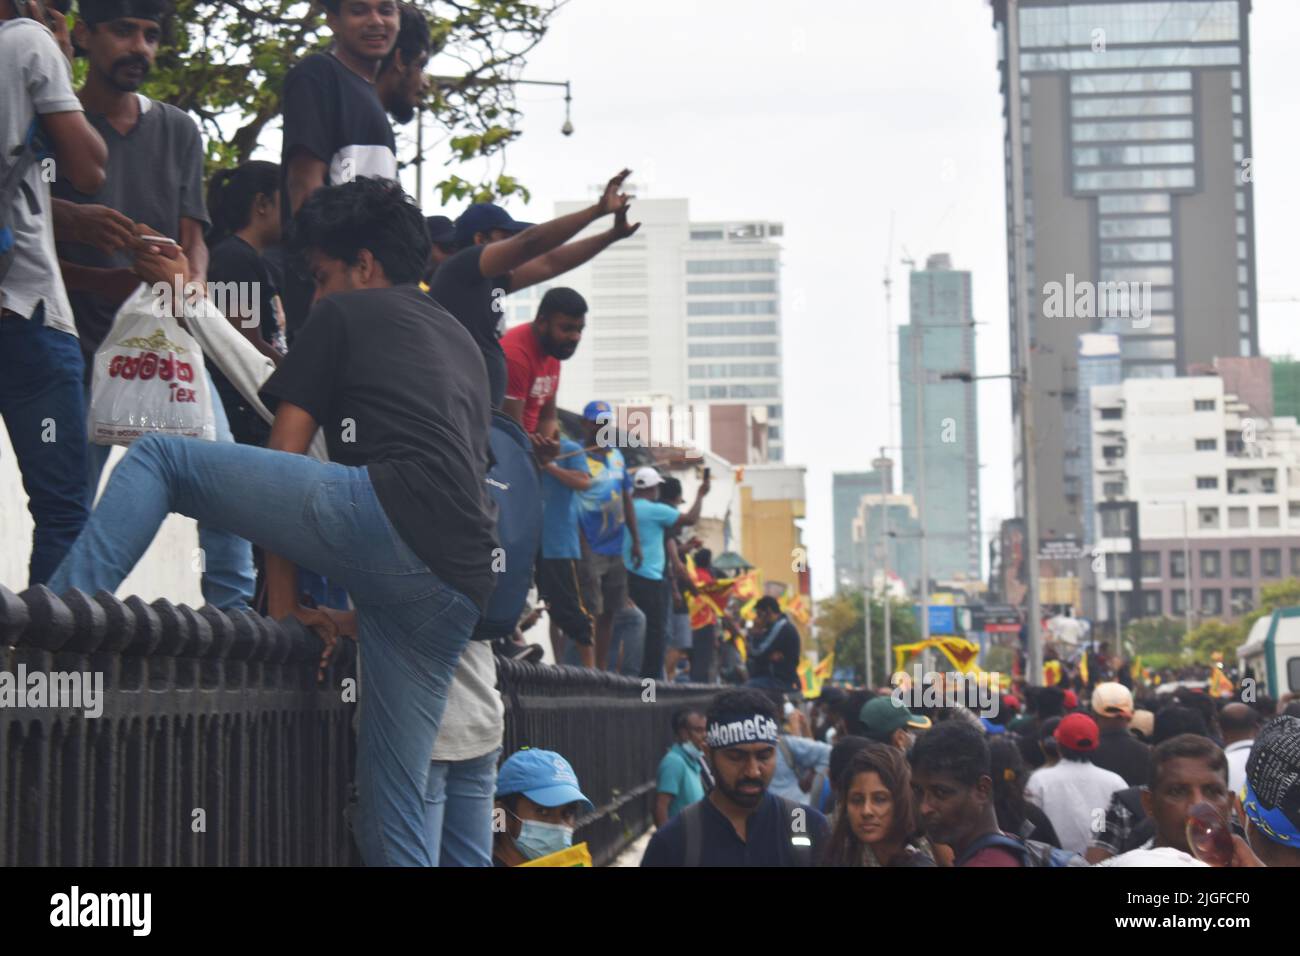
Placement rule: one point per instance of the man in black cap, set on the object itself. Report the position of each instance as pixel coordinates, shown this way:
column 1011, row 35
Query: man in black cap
column 154, row 186
column 335, row 127
column 499, row 255
column 442, row 234
column 1272, row 793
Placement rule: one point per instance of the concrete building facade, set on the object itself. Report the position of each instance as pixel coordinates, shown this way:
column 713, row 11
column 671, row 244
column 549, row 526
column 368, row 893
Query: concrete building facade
column 1196, row 493
column 1137, row 187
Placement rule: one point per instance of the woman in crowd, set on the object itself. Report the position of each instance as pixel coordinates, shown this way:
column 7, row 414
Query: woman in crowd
column 1016, row 815
column 877, row 823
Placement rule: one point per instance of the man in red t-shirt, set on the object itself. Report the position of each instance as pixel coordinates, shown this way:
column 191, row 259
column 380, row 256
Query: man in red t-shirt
column 533, row 356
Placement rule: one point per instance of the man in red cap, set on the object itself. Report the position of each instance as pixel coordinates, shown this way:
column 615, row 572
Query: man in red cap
column 1074, row 793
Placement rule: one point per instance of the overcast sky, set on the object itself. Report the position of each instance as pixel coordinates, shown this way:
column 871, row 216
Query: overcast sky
column 831, row 117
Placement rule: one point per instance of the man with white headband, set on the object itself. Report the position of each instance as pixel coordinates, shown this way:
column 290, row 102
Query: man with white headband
column 740, row 823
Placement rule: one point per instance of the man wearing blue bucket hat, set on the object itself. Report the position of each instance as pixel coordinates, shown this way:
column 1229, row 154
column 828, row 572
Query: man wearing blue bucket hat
column 537, row 807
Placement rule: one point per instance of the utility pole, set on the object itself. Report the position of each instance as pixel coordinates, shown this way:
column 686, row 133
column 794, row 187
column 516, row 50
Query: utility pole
column 866, row 600
column 890, row 371
column 1028, row 471
column 918, row 383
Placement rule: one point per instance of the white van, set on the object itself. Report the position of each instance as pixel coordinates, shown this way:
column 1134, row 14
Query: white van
column 1271, row 653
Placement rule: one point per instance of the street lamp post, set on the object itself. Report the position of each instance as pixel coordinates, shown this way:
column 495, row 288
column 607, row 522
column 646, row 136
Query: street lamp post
column 1033, row 639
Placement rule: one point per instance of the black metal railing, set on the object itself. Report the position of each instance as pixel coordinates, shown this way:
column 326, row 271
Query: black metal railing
column 215, row 745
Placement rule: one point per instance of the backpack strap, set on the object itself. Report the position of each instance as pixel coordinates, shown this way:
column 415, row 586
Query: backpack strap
column 796, row 847
column 995, row 839
column 693, row 826
column 12, row 183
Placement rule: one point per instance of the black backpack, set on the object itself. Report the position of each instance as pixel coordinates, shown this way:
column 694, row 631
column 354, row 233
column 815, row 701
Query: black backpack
column 22, row 157
column 517, row 492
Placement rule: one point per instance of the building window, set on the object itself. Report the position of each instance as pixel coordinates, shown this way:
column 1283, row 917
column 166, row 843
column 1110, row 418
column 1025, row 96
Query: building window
column 1293, row 510
column 746, row 307
column 729, row 329
column 1211, row 564
column 1112, row 413
column 1113, row 489
column 1178, row 601
column 1269, row 516
column 1207, row 483
column 714, row 266
column 1151, row 604
column 1211, row 601
column 1114, row 523
column 1207, row 444
column 1203, row 405
column 1178, row 564
column 1150, row 564
column 1112, row 451
column 730, row 286
column 1118, row 566
column 1243, row 601
column 1270, row 562
column 1240, row 563
column 1238, row 517
column 1295, row 562
column 1207, row 517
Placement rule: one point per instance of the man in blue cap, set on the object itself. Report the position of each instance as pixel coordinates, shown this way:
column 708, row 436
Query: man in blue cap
column 499, row 255
column 537, row 807
column 604, row 509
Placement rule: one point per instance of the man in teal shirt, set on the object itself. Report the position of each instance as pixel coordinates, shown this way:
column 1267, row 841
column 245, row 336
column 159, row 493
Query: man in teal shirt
column 680, row 782
column 646, row 584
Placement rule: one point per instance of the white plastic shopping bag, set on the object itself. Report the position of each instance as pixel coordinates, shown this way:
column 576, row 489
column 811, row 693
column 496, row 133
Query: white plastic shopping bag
column 244, row 366
column 148, row 377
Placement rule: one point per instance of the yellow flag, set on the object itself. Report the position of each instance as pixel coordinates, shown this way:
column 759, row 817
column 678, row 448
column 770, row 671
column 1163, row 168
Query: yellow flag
column 1083, row 668
column 577, row 855
column 826, row 666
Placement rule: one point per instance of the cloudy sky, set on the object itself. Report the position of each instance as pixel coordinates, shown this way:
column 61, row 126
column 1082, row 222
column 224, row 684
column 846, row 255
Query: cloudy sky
column 835, row 118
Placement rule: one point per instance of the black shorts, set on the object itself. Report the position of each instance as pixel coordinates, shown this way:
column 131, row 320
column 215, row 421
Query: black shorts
column 557, row 582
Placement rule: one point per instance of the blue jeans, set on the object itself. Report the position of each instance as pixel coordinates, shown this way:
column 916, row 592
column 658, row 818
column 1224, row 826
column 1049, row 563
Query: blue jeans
column 627, row 633
column 324, row 516
column 44, row 409
column 229, row 577
column 458, row 810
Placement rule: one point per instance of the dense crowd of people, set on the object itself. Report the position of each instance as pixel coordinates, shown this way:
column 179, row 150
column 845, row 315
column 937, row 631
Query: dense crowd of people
column 857, row 779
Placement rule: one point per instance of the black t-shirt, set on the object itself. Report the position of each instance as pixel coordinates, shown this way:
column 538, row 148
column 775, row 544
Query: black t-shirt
column 232, row 260
column 397, row 386
column 1120, row 752
column 787, row 643
column 336, row 116
column 765, row 832
column 1041, row 828
column 460, row 287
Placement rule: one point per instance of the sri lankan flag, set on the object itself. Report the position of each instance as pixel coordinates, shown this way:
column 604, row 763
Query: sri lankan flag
column 1051, row 673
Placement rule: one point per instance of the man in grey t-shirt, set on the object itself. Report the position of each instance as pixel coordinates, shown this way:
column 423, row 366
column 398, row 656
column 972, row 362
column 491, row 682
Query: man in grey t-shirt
column 155, row 182
column 41, row 399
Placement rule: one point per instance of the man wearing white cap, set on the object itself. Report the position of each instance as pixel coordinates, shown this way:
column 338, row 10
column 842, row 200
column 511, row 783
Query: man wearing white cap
column 646, row 584
column 1118, row 750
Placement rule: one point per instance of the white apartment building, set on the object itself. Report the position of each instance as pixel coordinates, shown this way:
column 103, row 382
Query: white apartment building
column 1194, row 493
column 682, row 312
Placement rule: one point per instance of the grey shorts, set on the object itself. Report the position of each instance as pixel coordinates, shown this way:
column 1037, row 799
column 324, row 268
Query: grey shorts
column 679, row 631
column 604, row 582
